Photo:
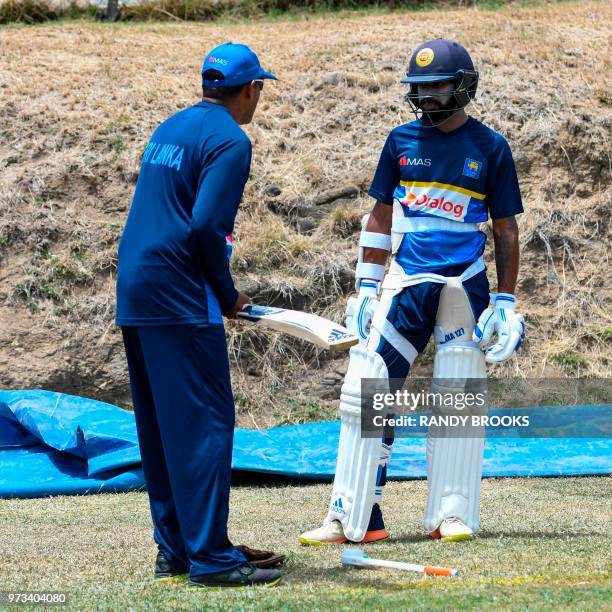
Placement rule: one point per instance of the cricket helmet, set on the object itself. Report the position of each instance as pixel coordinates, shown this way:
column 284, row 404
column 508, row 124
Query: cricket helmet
column 441, row 60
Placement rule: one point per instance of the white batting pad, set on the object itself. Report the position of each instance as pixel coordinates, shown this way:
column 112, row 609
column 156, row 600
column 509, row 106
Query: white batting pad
column 354, row 491
column 454, row 465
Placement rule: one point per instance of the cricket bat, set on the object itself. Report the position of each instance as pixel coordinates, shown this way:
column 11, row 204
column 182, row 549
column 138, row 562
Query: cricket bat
column 310, row 327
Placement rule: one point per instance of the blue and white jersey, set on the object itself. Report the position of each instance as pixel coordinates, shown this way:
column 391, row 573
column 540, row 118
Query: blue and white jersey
column 444, row 184
column 175, row 248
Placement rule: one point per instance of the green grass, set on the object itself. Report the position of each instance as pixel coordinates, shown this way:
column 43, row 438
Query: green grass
column 606, row 335
column 571, row 362
column 307, row 411
column 544, row 545
column 35, row 12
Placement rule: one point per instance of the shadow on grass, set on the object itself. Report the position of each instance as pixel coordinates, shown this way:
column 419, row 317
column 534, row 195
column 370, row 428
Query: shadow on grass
column 536, row 535
column 498, row 535
column 354, row 578
column 242, row 478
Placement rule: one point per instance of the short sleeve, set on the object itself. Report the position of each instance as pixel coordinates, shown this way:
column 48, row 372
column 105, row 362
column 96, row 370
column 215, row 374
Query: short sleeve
column 386, row 177
column 503, row 193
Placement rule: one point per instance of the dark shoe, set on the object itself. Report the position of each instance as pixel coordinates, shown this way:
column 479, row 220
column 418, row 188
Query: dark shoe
column 243, row 576
column 167, row 569
column 376, row 519
column 261, row 558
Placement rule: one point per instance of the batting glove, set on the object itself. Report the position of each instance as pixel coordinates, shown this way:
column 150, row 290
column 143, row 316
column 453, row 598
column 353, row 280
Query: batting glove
column 360, row 310
column 507, row 324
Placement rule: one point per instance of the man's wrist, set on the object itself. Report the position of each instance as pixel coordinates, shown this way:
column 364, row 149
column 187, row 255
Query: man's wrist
column 506, row 301
column 369, row 287
column 228, row 300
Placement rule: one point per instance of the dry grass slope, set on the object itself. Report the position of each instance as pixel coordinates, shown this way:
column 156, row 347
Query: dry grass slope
column 79, row 102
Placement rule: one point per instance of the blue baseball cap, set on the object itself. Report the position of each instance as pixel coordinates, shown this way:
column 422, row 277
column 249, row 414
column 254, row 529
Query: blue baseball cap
column 238, row 64
column 437, row 60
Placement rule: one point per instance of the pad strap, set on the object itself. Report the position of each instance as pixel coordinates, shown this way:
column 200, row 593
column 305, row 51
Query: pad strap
column 370, row 270
column 399, row 278
column 374, row 240
column 397, row 341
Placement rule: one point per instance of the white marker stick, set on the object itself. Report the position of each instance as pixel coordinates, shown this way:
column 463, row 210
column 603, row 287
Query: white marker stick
column 357, row 558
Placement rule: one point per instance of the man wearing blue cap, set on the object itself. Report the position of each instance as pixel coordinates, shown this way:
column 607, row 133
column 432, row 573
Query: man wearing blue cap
column 173, row 286
column 438, row 178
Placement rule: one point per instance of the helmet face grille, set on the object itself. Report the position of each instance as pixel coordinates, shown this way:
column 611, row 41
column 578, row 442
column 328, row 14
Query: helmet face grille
column 466, row 84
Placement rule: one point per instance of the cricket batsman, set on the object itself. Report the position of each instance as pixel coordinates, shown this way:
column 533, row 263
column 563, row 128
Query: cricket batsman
column 438, row 177
column 173, row 288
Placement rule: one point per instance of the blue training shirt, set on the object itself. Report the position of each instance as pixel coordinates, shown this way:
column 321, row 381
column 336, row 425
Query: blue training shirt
column 173, row 264
column 442, row 180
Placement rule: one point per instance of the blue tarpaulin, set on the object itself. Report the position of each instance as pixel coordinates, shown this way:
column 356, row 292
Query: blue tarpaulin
column 53, row 443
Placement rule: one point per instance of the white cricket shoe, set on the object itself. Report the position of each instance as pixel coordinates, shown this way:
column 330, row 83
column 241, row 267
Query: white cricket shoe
column 452, row 529
column 331, row 533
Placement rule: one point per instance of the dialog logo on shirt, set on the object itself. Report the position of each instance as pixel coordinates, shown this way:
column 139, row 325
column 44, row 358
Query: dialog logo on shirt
column 437, row 201
column 472, row 168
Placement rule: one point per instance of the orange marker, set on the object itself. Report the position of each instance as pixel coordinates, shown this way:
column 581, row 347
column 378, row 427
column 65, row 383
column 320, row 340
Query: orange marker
column 357, row 558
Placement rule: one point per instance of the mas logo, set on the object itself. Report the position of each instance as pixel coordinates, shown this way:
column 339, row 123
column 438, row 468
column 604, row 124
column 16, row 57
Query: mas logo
column 217, row 60
column 414, row 161
column 424, row 57
column 472, row 168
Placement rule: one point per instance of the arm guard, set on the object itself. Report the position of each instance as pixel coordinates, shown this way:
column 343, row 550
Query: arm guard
column 372, row 240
